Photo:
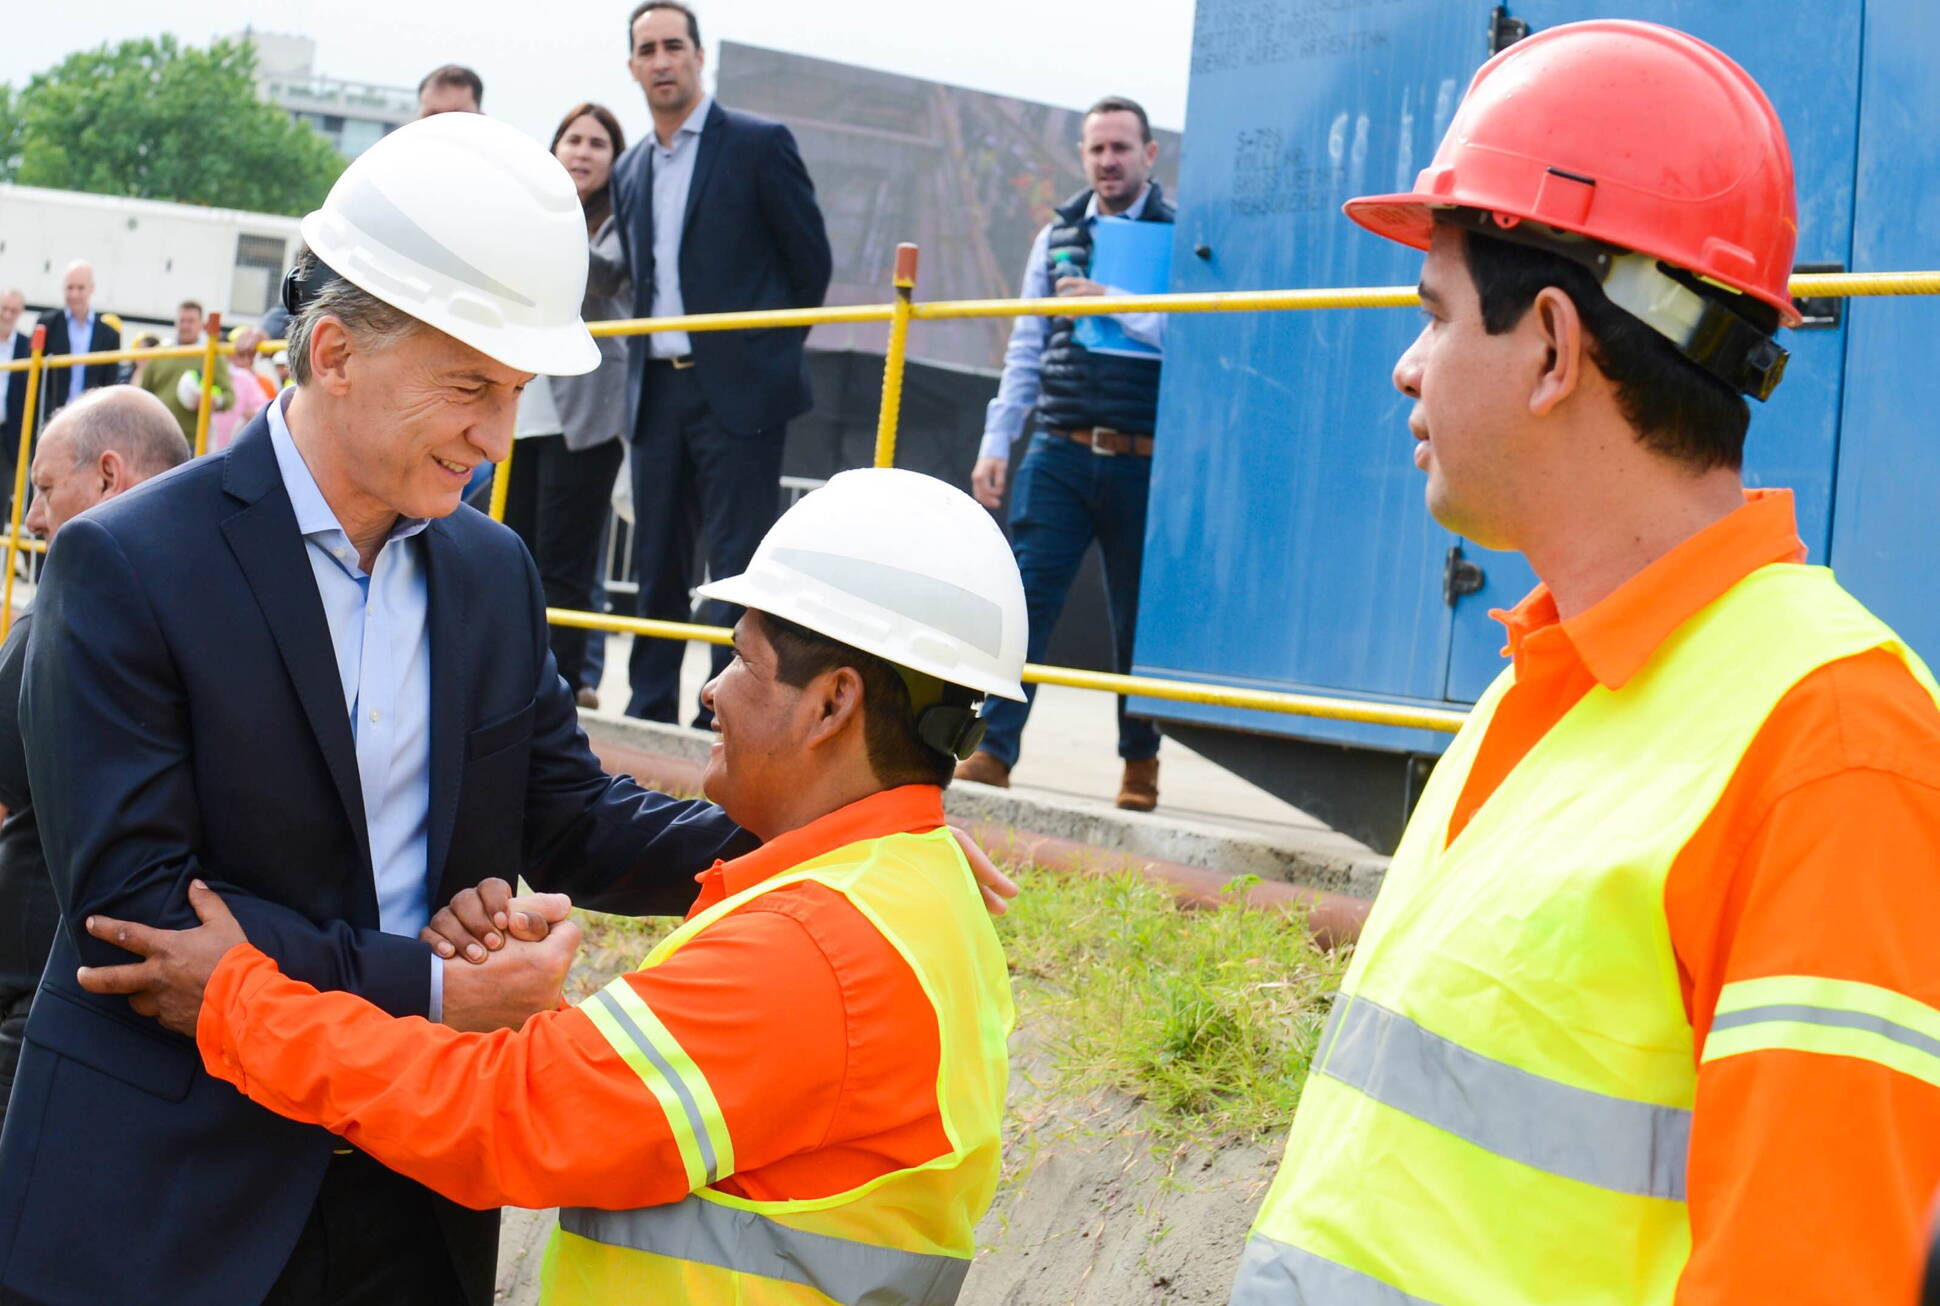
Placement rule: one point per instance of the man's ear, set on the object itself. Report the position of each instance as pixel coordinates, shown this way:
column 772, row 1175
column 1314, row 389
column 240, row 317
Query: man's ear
column 1559, row 329
column 837, row 704
column 331, row 349
column 113, row 469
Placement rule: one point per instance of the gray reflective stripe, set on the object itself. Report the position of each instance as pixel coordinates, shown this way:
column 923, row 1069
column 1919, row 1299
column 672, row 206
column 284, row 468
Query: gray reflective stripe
column 694, row 1121
column 1271, row 1273
column 951, row 609
column 1611, row 1142
column 1834, row 1016
column 370, row 210
column 708, row 1233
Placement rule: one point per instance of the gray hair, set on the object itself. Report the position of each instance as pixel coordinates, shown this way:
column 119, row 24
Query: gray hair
column 370, row 321
column 126, row 419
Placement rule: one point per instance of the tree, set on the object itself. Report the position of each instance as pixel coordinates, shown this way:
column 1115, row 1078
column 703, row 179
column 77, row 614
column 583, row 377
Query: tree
column 154, row 119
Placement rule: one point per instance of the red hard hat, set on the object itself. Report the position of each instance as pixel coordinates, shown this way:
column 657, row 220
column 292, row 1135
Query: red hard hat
column 1636, row 135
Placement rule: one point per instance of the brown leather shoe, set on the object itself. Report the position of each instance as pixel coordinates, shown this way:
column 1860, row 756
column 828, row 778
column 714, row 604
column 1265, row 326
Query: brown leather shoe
column 588, row 698
column 1139, row 790
column 984, row 769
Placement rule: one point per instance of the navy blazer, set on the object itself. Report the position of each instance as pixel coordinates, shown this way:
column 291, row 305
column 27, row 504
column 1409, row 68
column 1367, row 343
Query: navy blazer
column 184, row 717
column 56, row 381
column 752, row 238
column 23, row 347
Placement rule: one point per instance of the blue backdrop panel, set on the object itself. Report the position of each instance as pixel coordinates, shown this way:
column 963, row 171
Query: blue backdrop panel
column 1288, row 544
column 1885, row 541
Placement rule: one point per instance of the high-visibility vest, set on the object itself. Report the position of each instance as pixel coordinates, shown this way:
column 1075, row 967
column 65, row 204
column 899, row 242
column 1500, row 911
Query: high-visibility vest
column 1499, row 1112
column 903, row 1237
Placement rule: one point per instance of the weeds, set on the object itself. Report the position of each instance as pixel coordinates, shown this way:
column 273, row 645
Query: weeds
column 1210, row 1016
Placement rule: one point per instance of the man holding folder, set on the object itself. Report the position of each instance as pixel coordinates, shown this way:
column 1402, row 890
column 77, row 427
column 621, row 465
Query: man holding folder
column 1095, row 385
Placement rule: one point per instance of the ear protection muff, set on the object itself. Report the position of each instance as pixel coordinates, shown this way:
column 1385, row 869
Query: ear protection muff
column 947, row 718
column 306, row 280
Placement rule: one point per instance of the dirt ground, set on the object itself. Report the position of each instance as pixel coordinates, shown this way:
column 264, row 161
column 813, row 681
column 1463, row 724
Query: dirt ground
column 1091, row 1211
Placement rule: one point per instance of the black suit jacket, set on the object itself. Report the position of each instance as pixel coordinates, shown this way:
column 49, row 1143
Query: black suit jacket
column 752, row 238
column 23, row 347
column 184, row 717
column 57, row 381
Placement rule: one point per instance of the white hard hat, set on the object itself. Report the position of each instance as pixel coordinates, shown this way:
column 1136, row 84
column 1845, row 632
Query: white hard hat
column 471, row 227
column 897, row 564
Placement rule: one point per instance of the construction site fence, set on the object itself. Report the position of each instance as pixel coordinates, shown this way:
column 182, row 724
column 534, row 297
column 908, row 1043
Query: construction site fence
column 902, row 310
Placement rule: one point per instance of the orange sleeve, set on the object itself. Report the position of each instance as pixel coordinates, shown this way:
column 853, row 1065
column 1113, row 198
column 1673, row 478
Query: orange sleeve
column 1812, row 1171
column 548, row 1114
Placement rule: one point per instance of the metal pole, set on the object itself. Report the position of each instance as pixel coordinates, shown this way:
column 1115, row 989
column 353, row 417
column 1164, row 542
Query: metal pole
column 203, row 408
column 892, row 363
column 502, row 482
column 20, row 476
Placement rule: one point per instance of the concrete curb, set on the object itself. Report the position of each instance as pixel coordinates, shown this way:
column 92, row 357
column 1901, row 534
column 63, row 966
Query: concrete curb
column 1316, row 859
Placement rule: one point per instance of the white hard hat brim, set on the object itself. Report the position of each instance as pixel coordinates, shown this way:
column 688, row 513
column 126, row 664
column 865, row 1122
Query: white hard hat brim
column 548, row 351
column 746, row 593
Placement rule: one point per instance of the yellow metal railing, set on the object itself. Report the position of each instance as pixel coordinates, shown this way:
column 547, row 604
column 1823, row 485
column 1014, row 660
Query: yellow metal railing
column 899, row 313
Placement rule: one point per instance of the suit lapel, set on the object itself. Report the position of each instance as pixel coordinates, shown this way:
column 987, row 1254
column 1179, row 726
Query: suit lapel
column 713, row 134
column 271, row 553
column 445, row 585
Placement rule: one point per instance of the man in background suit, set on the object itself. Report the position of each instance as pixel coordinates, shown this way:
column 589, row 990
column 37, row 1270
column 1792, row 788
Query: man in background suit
column 14, row 344
column 75, row 328
column 101, row 445
column 717, row 214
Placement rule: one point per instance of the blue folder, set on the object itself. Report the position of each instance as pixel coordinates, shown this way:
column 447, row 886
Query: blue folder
column 1135, row 257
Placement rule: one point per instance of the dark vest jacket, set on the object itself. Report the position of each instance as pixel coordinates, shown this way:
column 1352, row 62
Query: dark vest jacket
column 1077, row 387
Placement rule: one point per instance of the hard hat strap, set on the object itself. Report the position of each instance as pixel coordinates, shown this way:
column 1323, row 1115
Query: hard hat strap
column 1685, row 309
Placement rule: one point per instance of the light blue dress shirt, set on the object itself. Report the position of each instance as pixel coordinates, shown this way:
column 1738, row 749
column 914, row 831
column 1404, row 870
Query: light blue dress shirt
column 1023, row 356
column 673, row 177
column 80, row 335
column 379, row 633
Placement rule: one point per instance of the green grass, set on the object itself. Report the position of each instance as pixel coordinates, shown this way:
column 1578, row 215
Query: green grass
column 1210, row 1016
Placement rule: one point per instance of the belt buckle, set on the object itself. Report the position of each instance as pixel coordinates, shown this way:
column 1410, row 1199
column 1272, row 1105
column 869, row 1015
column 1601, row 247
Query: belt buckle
column 1099, row 449
column 682, row 362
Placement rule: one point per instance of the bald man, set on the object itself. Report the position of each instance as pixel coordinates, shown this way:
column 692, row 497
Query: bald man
column 75, row 328
column 107, row 441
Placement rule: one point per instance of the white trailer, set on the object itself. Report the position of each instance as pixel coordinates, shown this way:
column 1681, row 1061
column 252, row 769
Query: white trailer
column 148, row 255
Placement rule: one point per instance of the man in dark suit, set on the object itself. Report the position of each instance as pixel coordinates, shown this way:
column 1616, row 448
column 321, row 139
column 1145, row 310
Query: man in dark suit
column 102, row 445
column 14, row 344
column 75, row 328
column 717, row 215
column 300, row 672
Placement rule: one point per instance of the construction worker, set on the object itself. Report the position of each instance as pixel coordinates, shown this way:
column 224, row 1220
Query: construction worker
column 1648, row 1010
column 797, row 1097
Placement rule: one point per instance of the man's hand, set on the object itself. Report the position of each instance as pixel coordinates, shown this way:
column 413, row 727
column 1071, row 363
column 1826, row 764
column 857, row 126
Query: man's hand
column 998, row 888
column 477, row 921
column 987, row 481
column 517, row 981
column 248, row 344
column 168, row 984
column 1079, row 286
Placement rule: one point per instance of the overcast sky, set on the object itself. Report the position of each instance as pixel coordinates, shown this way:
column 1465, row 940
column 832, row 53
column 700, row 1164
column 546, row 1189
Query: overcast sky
column 537, row 59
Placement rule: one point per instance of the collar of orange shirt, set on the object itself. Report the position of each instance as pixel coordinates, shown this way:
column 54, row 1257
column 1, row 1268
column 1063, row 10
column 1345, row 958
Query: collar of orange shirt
column 906, row 809
column 1617, row 636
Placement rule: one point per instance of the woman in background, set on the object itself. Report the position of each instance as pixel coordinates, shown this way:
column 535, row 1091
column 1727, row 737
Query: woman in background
column 570, row 427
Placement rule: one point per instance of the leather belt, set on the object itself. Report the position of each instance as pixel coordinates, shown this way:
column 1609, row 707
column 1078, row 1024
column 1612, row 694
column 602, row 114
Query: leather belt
column 679, row 364
column 1107, row 443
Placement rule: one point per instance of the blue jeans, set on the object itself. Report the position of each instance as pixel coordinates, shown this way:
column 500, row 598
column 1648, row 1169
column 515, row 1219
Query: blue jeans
column 1063, row 497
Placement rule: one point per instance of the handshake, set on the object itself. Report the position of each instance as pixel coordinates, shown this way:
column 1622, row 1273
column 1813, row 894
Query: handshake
column 505, row 957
